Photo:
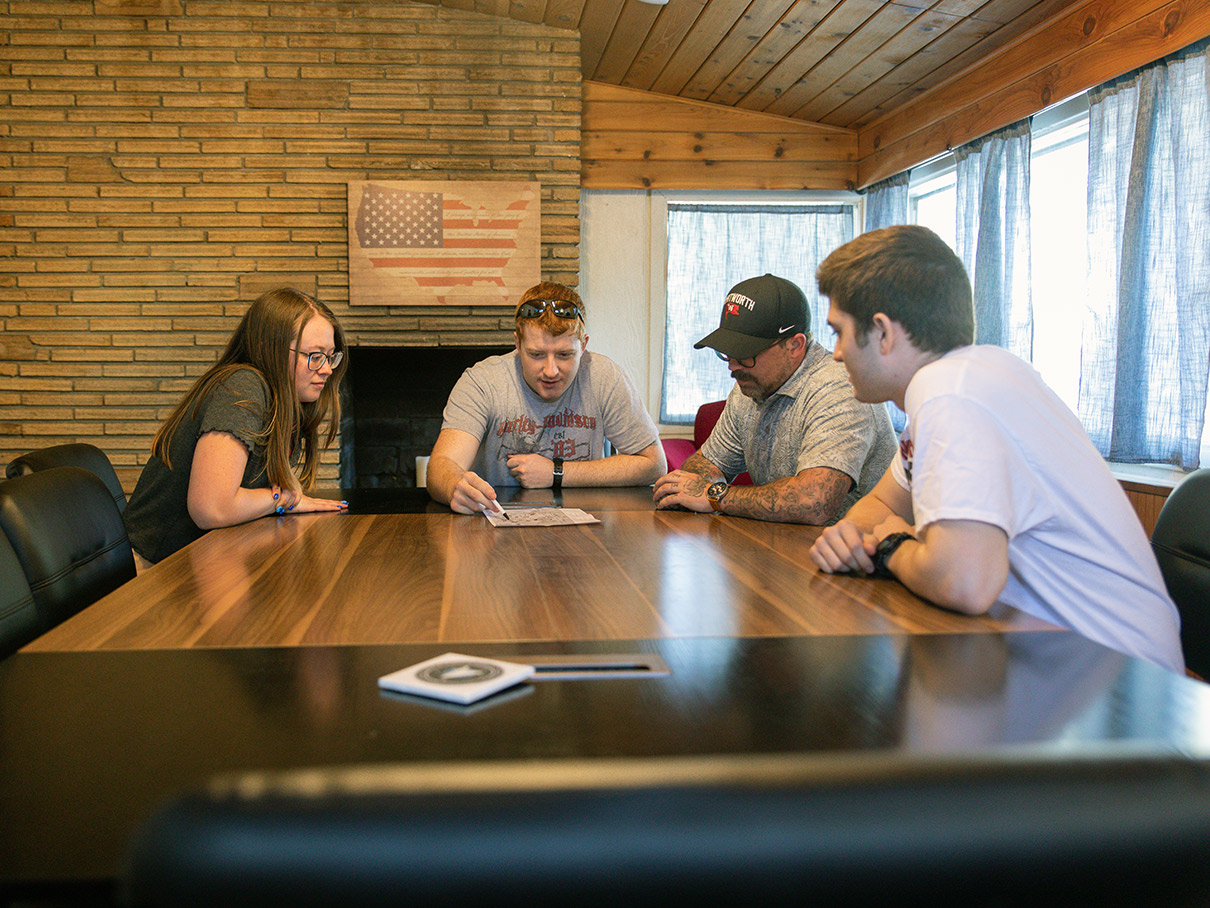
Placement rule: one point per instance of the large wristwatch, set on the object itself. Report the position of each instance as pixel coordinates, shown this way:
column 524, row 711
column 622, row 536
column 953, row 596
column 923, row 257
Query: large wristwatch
column 715, row 493
column 557, row 482
column 885, row 549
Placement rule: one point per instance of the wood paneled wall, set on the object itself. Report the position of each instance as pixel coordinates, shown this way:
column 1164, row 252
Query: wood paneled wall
column 636, row 139
column 1147, row 501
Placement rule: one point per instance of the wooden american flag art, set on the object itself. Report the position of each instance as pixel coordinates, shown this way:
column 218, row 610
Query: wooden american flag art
column 424, row 242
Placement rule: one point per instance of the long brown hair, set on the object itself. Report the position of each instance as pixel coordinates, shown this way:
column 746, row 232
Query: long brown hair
column 264, row 341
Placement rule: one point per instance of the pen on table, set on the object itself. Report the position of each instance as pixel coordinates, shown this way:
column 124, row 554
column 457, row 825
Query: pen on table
column 499, row 508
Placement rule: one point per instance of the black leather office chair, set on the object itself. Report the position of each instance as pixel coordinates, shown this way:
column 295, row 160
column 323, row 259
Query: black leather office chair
column 1181, row 542
column 69, row 538
column 719, row 831
column 86, row 456
column 18, row 618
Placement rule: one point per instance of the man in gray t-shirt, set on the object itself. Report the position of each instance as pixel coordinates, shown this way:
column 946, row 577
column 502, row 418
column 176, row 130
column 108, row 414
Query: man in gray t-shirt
column 791, row 420
column 539, row 417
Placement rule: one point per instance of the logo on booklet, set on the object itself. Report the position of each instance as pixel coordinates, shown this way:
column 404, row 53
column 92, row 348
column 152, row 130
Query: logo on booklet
column 459, row 672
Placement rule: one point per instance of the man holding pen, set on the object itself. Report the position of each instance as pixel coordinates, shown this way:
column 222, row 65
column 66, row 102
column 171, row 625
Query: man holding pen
column 539, row 417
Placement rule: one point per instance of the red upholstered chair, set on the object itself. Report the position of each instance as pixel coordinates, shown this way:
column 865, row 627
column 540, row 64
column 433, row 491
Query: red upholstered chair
column 677, row 450
column 703, row 425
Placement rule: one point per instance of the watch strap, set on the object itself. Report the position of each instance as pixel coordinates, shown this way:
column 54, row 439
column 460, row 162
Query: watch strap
column 557, row 482
column 885, row 549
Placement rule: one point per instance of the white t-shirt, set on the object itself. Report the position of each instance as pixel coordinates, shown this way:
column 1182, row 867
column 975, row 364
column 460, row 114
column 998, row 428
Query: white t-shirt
column 986, row 440
column 492, row 402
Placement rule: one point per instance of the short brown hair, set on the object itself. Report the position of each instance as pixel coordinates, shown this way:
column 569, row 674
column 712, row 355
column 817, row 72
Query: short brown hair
column 909, row 274
column 548, row 321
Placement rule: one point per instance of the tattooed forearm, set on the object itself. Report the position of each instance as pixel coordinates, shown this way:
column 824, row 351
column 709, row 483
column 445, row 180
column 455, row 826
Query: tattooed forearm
column 812, row 497
column 703, row 467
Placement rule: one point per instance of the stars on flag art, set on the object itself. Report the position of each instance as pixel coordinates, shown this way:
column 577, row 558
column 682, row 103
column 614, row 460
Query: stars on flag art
column 443, row 243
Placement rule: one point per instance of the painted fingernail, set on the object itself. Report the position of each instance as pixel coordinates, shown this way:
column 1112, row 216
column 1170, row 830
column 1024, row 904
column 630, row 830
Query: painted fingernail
column 280, row 510
column 291, row 508
column 275, row 496
column 345, row 503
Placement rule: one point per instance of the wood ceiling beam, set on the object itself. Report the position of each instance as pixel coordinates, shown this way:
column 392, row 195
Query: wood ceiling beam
column 1083, row 47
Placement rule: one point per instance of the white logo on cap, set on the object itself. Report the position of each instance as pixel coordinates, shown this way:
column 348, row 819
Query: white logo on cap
column 785, row 329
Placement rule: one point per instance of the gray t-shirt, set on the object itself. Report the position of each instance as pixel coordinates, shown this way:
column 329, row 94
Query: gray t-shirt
column 812, row 420
column 492, row 402
column 157, row 516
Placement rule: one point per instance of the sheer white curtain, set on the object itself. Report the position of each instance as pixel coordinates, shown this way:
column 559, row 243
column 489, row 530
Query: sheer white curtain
column 711, row 248
column 1146, row 340
column 992, row 230
column 887, row 203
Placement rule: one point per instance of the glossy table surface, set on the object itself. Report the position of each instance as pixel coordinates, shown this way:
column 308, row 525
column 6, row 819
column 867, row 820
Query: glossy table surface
column 92, row 742
column 400, row 569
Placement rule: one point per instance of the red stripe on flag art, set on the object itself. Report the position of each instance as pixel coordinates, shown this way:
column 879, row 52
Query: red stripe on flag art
column 438, row 241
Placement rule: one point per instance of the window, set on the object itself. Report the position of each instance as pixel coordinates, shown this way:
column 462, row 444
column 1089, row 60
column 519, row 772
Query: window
column 1058, row 190
column 713, row 245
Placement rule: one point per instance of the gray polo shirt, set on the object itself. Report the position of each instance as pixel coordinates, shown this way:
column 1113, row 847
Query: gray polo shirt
column 812, row 420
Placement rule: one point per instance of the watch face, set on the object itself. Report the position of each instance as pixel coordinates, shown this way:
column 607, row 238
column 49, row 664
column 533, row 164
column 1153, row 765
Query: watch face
column 716, row 489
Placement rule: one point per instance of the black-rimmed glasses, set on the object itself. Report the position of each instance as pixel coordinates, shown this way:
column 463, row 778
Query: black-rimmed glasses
column 743, row 363
column 561, row 308
column 315, row 361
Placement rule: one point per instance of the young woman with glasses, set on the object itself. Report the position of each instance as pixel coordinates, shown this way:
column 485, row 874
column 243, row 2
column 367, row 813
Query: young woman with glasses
column 245, row 440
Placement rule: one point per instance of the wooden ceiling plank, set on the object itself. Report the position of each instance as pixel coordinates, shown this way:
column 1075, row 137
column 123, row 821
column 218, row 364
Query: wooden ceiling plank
column 955, row 59
column 632, row 27
column 564, row 13
column 1090, row 44
column 612, row 107
column 1001, row 12
column 674, row 116
column 796, row 25
column 747, row 32
column 717, row 18
column 499, row 8
column 867, row 39
column 1077, row 27
column 532, row 11
column 596, row 25
column 903, row 82
column 674, row 24
column 893, row 56
column 843, row 21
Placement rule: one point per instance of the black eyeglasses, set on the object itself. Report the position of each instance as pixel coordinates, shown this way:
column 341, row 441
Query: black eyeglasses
column 744, row 363
column 315, row 361
column 561, row 308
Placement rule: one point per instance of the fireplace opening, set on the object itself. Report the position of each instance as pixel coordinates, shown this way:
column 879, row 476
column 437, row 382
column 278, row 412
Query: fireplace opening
column 391, row 401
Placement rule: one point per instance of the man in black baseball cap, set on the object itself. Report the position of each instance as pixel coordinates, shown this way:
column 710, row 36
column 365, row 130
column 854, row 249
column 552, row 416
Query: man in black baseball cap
column 791, row 420
column 758, row 313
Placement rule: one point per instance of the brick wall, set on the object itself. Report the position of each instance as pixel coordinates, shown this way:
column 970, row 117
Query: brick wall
column 162, row 162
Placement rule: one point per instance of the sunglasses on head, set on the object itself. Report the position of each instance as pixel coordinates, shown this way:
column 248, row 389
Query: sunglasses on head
column 561, row 308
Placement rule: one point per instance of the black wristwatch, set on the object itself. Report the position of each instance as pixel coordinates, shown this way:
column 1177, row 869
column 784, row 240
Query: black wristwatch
column 557, row 483
column 885, row 550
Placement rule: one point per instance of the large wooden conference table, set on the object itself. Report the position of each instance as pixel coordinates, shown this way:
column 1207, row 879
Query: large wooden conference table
column 422, row 574
column 255, row 652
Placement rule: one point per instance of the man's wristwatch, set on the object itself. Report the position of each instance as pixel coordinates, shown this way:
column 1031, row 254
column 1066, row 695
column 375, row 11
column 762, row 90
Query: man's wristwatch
column 557, row 483
column 885, row 550
column 715, row 493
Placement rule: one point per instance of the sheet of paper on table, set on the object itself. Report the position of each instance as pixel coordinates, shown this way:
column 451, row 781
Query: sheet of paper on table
column 539, row 517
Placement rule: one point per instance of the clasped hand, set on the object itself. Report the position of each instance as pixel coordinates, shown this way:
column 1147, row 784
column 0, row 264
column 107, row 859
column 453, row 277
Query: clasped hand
column 533, row 471
column 845, row 547
column 682, row 489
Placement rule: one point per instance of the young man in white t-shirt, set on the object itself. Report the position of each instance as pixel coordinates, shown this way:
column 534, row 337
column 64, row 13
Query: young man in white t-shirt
column 539, row 416
column 997, row 493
